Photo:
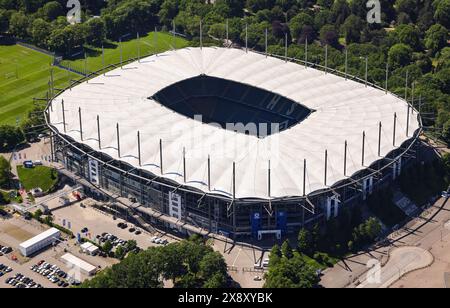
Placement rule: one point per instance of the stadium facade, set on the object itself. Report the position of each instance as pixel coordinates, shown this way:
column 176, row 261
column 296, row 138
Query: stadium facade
column 233, row 141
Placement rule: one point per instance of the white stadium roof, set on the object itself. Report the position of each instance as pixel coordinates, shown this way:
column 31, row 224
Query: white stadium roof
column 343, row 110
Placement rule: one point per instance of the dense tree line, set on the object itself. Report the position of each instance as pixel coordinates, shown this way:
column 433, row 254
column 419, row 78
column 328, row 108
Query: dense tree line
column 188, row 264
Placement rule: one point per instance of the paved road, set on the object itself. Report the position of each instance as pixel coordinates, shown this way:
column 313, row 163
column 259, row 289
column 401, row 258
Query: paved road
column 422, row 232
column 402, row 260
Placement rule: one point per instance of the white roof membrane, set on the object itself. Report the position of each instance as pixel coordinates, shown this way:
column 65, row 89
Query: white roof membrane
column 343, row 110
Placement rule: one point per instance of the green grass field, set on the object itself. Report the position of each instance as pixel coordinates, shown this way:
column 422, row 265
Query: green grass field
column 148, row 44
column 39, row 176
column 24, row 74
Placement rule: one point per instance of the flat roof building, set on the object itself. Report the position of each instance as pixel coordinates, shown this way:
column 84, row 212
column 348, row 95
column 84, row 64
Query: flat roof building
column 39, row 242
column 77, row 263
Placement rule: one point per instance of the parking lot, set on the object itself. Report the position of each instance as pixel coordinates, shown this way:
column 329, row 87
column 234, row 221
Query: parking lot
column 83, row 216
column 45, row 269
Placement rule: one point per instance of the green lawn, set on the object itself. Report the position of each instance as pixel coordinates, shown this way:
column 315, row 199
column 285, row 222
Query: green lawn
column 148, row 44
column 24, row 74
column 39, row 176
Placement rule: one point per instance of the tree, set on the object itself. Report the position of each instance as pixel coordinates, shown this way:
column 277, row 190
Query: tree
column 291, row 273
column 95, row 31
column 168, row 11
column 399, row 55
column 120, row 252
column 107, row 246
column 4, row 20
column 5, row 172
column 409, row 35
column 275, row 254
column 212, row 264
column 436, row 38
column 408, row 7
column 442, row 13
column 352, row 28
column 298, row 23
column 52, row 10
column 329, row 36
column 39, row 31
column 18, row 25
column 339, row 12
column 286, row 249
column 304, row 241
column 10, row 137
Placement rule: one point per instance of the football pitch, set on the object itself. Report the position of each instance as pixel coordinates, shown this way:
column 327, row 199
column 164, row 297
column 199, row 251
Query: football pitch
column 150, row 43
column 24, row 74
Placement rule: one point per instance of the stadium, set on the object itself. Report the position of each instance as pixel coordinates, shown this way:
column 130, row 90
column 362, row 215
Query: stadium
column 233, row 141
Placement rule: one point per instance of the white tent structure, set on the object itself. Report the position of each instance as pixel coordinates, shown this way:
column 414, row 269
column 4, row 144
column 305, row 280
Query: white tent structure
column 118, row 104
